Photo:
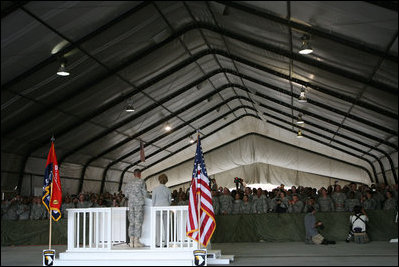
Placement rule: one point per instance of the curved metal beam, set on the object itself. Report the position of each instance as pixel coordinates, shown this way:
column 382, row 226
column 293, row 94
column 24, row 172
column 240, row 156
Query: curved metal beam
column 73, row 45
column 246, row 77
column 283, row 91
column 152, row 81
column 391, row 5
column 217, row 119
column 155, row 124
column 174, row 142
column 213, row 28
column 338, row 142
column 313, row 132
column 200, row 80
column 194, row 103
column 12, row 7
column 313, row 30
column 130, row 153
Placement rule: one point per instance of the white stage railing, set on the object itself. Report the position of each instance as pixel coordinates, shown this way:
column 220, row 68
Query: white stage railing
column 96, row 228
column 100, row 228
column 168, row 228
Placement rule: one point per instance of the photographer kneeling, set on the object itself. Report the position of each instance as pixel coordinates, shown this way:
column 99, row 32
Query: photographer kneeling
column 311, row 227
column 358, row 226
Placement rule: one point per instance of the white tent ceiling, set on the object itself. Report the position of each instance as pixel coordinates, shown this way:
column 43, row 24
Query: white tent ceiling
column 214, row 66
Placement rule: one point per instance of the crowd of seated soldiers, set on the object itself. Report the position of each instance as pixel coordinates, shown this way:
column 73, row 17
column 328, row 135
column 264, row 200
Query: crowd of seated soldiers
column 32, row 208
column 245, row 200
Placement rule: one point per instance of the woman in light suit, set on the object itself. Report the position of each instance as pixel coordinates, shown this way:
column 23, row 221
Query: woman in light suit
column 161, row 196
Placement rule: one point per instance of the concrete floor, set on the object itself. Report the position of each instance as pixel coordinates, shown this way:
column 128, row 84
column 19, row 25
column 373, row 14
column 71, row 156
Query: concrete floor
column 257, row 254
column 299, row 254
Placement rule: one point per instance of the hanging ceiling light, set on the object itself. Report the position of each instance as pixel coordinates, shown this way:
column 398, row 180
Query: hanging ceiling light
column 300, row 121
column 168, row 127
column 302, row 97
column 62, row 70
column 305, row 47
column 129, row 106
column 191, row 140
column 299, row 135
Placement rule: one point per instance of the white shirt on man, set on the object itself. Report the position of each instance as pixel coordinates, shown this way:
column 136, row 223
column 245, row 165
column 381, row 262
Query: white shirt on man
column 358, row 222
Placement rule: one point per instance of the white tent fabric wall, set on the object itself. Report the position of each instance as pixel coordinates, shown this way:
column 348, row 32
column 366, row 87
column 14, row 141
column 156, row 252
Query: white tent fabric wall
column 244, row 126
column 261, row 173
column 243, row 153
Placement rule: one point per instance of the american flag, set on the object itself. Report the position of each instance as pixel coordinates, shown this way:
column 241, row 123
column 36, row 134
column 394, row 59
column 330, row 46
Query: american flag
column 200, row 192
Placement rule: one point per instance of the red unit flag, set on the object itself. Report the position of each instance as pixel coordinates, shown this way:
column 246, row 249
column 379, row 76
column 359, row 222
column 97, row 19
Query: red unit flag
column 52, row 193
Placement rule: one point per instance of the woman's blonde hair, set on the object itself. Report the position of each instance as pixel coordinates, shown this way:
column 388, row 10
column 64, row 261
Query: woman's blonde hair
column 163, row 179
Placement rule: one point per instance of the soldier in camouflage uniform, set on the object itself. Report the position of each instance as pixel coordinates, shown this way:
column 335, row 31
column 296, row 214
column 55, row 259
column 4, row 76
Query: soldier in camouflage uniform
column 325, row 202
column 183, row 201
column 24, row 209
column 66, row 204
column 351, row 202
column 259, row 202
column 281, row 202
column 248, row 192
column 295, row 205
column 82, row 203
column 394, row 189
column 136, row 192
column 367, row 201
column 226, row 202
column 237, row 204
column 246, row 206
column 339, row 198
column 4, row 206
column 379, row 199
column 311, row 202
column 390, row 203
column 36, row 210
column 353, row 188
column 271, row 201
column 12, row 210
column 215, row 202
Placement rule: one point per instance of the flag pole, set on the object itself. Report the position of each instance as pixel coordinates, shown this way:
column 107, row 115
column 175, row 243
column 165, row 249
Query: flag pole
column 199, row 200
column 51, row 192
column 51, row 223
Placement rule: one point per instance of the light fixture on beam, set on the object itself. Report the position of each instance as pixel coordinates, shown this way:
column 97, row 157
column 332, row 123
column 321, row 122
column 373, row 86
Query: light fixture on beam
column 167, row 127
column 305, row 47
column 299, row 134
column 300, row 120
column 129, row 106
column 62, row 70
column 302, row 96
column 191, row 140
